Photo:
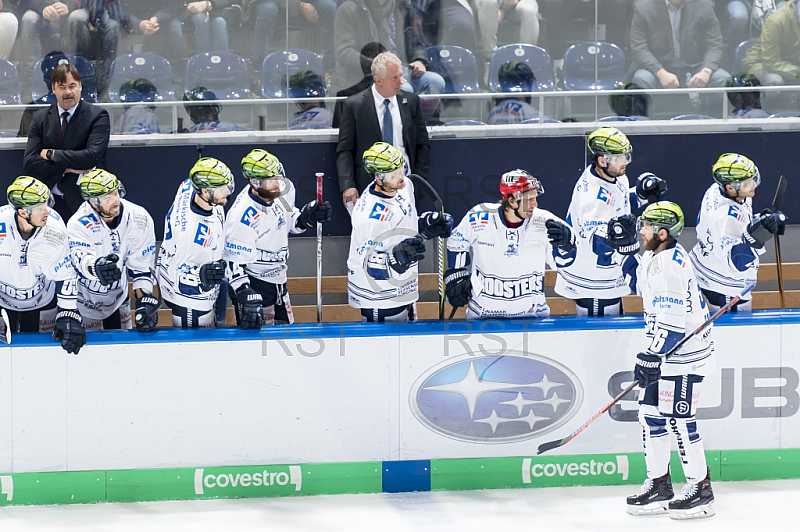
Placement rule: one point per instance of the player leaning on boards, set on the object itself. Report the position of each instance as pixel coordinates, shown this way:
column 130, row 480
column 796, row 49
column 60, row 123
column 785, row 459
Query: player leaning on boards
column 111, row 241
column 510, row 241
column 257, row 231
column 595, row 280
column 729, row 237
column 387, row 240
column 190, row 265
column 673, row 306
column 36, row 273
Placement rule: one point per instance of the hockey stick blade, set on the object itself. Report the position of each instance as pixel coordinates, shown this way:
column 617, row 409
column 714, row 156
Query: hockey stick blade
column 549, row 446
column 5, row 338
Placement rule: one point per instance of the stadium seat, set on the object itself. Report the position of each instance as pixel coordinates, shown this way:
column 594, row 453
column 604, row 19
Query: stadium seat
column 457, row 66
column 594, row 66
column 692, row 116
column 280, row 65
column 615, row 118
column 152, row 67
column 9, row 84
column 465, row 123
column 537, row 58
column 223, row 73
column 741, row 51
column 786, row 114
column 544, row 121
column 43, row 69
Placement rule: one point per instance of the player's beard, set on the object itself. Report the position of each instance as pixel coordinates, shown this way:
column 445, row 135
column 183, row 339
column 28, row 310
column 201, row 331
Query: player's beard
column 652, row 243
column 267, row 195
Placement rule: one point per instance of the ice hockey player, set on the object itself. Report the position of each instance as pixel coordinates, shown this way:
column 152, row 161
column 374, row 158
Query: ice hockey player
column 190, row 265
column 257, row 231
column 112, row 241
column 387, row 240
column 37, row 281
column 510, row 242
column 596, row 280
column 673, row 307
column 730, row 238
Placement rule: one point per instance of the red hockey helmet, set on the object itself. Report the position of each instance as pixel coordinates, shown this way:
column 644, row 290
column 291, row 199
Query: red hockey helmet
column 518, row 181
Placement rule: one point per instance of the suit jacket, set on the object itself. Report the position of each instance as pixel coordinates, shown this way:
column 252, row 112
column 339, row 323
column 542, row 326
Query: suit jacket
column 359, row 129
column 83, row 147
column 651, row 36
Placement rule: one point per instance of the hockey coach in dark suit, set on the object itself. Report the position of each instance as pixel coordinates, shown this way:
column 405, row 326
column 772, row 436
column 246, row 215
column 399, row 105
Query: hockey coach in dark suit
column 65, row 140
column 381, row 112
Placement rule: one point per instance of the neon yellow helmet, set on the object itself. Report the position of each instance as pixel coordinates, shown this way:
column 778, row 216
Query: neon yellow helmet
column 98, row 183
column 664, row 214
column 382, row 158
column 261, row 164
column 734, row 169
column 608, row 141
column 210, row 173
column 28, row 192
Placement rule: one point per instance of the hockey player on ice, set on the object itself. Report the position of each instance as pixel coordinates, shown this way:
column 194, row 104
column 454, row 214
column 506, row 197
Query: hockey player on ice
column 510, row 242
column 257, row 231
column 190, row 265
column 37, row 281
column 387, row 240
column 730, row 238
column 112, row 240
column 670, row 389
column 595, row 280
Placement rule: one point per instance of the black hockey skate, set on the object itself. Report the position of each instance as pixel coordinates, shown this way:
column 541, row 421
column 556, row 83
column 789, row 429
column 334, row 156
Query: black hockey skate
column 653, row 498
column 695, row 501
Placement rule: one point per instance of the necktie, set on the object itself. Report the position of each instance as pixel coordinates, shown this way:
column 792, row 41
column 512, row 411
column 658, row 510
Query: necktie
column 64, row 122
column 388, row 127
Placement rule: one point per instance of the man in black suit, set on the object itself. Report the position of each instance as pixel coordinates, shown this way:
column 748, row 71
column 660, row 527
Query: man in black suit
column 380, row 113
column 67, row 139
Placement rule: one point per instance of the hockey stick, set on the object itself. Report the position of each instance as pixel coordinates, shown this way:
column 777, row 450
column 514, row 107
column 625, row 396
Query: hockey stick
column 319, row 251
column 776, row 206
column 5, row 338
column 549, row 446
column 441, row 243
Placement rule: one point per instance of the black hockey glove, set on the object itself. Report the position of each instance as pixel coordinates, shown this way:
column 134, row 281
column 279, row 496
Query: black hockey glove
column 314, row 212
column 404, row 254
column 622, row 235
column 69, row 330
column 432, row 224
column 650, row 187
column 647, row 370
column 106, row 269
column 458, row 286
column 560, row 235
column 250, row 305
column 764, row 225
column 145, row 315
column 211, row 274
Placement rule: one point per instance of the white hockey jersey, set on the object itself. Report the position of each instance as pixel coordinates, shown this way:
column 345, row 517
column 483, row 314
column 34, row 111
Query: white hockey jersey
column 192, row 237
column 597, row 270
column 673, row 307
column 379, row 223
column 507, row 263
column 511, row 111
column 32, row 271
column 257, row 236
column 133, row 240
column 315, row 118
column 722, row 262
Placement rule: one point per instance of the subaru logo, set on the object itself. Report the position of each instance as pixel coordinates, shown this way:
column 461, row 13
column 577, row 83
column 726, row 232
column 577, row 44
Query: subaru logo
column 502, row 399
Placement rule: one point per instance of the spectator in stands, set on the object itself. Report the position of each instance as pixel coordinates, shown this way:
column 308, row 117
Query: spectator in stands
column 775, row 57
column 67, row 139
column 492, row 12
column 159, row 22
column 312, row 114
column 9, row 23
column 105, row 17
column 203, row 109
column 139, row 118
column 210, row 29
column 630, row 106
column 359, row 22
column 450, row 22
column 734, row 18
column 514, row 76
column 315, row 14
column 676, row 44
column 745, row 104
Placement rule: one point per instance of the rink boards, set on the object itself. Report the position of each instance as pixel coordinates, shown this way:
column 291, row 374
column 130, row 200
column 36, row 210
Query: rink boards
column 359, row 408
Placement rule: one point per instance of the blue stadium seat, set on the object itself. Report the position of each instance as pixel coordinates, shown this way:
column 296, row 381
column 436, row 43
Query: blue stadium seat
column 9, row 84
column 594, row 65
column 43, row 69
column 615, row 118
column 692, row 116
column 223, row 73
column 741, row 51
column 457, row 66
column 786, row 114
column 545, row 121
column 280, row 65
column 537, row 58
column 465, row 123
column 152, row 67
